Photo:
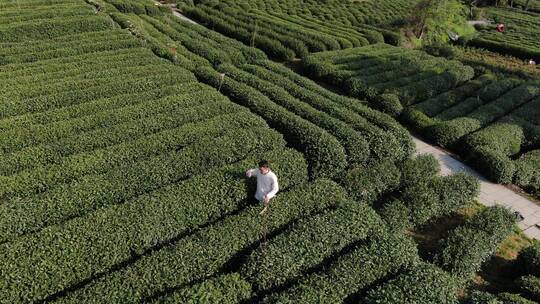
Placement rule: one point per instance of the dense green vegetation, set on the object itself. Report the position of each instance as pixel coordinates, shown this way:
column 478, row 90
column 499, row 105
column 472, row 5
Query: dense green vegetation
column 343, row 12
column 520, row 39
column 528, row 5
column 492, row 123
column 289, row 29
column 484, row 61
column 381, row 69
column 490, row 120
column 125, row 133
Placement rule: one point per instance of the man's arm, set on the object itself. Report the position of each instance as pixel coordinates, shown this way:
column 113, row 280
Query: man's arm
column 251, row 172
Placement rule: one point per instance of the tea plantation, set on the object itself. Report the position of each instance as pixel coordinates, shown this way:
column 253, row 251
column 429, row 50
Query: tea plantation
column 520, row 38
column 125, row 134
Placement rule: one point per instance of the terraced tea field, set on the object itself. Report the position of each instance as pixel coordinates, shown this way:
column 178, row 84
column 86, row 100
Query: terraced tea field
column 491, row 122
column 520, row 39
column 125, row 135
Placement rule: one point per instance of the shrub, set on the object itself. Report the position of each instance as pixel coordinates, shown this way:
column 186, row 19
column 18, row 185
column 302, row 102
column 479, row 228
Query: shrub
column 66, row 162
column 139, row 7
column 355, row 145
column 450, row 99
column 358, row 88
column 463, row 108
column 366, row 184
column 372, row 36
column 324, row 154
column 440, row 196
column 270, row 45
column 397, row 216
column 505, row 138
column 530, row 287
column 493, row 90
column 480, row 297
column 481, row 235
column 206, row 43
column 509, row 298
column 419, row 169
column 84, row 46
column 528, row 260
column 57, row 96
column 424, row 284
column 55, row 27
column 448, row 133
column 440, row 50
column 388, row 103
column 387, row 139
column 182, row 262
column 381, row 256
column 124, row 182
column 225, row 289
column 422, row 201
column 41, row 139
column 415, row 118
column 497, row 166
column 152, row 218
column 308, row 243
column 528, row 171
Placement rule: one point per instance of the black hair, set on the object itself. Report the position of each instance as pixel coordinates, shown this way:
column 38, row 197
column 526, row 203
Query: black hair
column 264, row 164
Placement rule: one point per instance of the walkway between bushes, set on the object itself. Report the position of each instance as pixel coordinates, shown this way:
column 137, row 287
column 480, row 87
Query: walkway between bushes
column 175, row 11
column 490, row 193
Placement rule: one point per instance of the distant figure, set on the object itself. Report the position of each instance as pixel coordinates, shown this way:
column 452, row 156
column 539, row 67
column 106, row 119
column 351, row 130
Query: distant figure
column 500, row 28
column 267, row 183
column 532, row 62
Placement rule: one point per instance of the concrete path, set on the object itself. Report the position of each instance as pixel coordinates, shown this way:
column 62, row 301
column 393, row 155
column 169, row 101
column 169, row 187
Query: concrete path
column 175, row 11
column 490, row 193
column 479, row 22
column 177, row 14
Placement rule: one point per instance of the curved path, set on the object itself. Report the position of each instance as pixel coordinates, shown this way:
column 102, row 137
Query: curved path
column 490, row 193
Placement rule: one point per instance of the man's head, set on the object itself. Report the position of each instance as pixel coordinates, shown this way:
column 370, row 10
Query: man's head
column 264, row 167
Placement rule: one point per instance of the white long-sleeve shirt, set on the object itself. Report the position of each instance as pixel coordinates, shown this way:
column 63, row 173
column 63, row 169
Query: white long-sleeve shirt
column 267, row 184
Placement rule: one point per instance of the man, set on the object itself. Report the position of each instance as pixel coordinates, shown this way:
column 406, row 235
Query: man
column 267, row 183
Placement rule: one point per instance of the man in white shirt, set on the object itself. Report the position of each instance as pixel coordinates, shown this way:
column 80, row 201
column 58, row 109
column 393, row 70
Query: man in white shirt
column 267, row 183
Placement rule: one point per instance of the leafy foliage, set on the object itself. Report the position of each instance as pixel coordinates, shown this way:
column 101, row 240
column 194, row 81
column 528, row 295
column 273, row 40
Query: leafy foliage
column 226, row 289
column 431, row 21
column 308, row 243
column 425, row 283
column 481, row 235
column 384, row 255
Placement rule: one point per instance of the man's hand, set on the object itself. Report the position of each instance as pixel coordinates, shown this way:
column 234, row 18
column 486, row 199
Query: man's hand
column 248, row 173
column 266, row 200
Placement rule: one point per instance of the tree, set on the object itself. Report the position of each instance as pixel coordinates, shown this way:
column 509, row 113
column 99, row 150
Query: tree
column 433, row 20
